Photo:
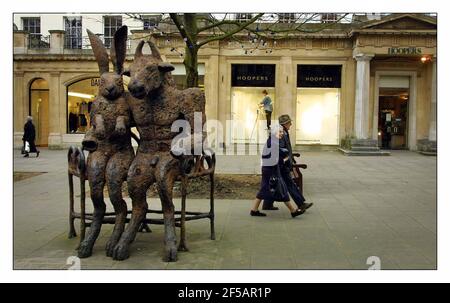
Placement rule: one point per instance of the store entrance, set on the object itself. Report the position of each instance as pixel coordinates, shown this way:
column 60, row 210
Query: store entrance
column 392, row 118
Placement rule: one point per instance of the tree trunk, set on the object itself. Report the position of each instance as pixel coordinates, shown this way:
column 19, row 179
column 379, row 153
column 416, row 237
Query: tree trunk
column 191, row 50
column 191, row 65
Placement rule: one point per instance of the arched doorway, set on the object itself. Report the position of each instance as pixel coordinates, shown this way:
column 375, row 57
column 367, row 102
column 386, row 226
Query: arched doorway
column 38, row 109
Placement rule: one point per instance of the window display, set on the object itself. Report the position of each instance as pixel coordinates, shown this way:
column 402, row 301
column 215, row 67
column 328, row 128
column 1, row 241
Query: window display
column 318, row 94
column 317, row 116
column 80, row 96
column 248, row 118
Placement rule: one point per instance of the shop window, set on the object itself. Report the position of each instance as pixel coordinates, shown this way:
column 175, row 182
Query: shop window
column 248, row 121
column 318, row 104
column 111, row 24
column 80, row 96
column 317, row 120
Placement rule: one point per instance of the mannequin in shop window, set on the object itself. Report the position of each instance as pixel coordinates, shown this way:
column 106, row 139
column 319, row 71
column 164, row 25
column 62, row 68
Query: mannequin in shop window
column 266, row 104
column 73, row 122
column 83, row 110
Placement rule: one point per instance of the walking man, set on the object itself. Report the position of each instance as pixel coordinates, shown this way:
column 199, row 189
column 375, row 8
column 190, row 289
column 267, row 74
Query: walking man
column 285, row 142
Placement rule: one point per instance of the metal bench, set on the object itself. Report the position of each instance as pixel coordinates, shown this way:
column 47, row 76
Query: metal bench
column 203, row 166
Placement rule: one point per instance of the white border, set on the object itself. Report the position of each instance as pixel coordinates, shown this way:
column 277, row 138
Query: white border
column 6, row 273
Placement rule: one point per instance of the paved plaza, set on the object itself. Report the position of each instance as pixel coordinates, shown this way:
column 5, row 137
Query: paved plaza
column 363, row 206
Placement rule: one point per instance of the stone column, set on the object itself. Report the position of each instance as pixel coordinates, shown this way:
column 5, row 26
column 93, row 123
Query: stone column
column 212, row 87
column 285, row 100
column 20, row 42
column 432, row 128
column 54, row 137
column 363, row 144
column 19, row 108
column 57, row 41
column 361, row 125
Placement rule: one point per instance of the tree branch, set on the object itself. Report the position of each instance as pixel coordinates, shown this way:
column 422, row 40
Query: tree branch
column 232, row 32
column 182, row 29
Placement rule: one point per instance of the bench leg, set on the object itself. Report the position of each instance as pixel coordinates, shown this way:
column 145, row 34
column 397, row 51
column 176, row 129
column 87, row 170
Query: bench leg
column 82, row 209
column 182, row 246
column 72, row 232
column 211, row 209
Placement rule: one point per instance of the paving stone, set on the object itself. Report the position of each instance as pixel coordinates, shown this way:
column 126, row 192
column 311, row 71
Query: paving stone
column 363, row 206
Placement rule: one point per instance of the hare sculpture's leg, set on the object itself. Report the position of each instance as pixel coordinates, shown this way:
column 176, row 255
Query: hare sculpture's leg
column 96, row 166
column 166, row 174
column 140, row 177
column 116, row 174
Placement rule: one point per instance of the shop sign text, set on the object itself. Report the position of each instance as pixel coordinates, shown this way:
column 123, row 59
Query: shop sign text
column 404, row 51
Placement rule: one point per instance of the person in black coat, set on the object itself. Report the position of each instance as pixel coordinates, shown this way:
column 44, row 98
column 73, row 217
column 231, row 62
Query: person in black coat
column 29, row 135
column 285, row 143
column 273, row 160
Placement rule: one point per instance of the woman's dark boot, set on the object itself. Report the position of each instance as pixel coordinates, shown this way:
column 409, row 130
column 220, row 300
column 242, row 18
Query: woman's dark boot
column 257, row 213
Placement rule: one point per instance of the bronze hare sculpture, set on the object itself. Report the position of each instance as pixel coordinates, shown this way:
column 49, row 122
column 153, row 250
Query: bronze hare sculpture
column 108, row 141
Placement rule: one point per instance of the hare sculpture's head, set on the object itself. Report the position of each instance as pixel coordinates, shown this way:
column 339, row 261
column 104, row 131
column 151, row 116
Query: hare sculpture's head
column 111, row 83
column 148, row 72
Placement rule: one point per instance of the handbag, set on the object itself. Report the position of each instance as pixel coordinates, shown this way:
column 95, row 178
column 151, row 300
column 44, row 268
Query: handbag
column 27, row 147
column 277, row 187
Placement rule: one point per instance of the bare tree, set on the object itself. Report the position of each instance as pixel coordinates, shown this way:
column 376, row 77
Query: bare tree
column 198, row 30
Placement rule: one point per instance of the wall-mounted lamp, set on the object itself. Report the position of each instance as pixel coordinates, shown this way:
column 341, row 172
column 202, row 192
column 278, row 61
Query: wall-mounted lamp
column 425, row 59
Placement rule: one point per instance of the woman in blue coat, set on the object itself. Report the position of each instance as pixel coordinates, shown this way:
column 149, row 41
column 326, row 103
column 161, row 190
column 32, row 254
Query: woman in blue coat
column 273, row 159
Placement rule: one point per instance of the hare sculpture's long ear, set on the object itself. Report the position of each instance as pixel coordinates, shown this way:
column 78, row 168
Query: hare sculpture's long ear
column 138, row 51
column 119, row 48
column 100, row 53
column 154, row 49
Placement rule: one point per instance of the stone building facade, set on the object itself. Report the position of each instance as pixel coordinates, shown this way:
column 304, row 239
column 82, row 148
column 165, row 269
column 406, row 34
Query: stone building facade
column 352, row 84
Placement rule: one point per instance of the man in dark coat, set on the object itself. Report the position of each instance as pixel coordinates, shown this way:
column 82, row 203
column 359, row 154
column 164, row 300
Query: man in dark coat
column 29, row 135
column 285, row 142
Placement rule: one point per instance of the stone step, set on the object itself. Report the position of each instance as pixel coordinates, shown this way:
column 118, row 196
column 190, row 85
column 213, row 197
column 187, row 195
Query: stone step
column 428, row 153
column 364, row 152
column 365, row 148
column 364, row 142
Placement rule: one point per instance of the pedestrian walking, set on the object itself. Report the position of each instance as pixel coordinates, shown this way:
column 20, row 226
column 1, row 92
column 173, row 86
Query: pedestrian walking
column 29, row 136
column 272, row 184
column 286, row 170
